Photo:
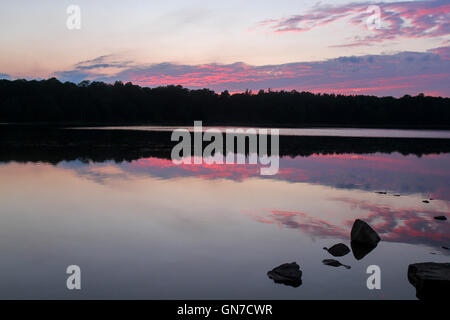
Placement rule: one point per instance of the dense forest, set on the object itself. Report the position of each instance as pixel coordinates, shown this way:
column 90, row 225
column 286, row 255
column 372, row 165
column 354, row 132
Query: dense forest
column 97, row 102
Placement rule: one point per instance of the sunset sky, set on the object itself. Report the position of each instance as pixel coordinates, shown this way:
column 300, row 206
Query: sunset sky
column 307, row 45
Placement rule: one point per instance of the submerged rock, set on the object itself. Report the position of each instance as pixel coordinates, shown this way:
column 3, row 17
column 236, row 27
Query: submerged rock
column 338, row 250
column 287, row 273
column 381, row 192
column 363, row 234
column 426, row 201
column 334, row 263
column 441, row 218
column 444, row 247
column 431, row 280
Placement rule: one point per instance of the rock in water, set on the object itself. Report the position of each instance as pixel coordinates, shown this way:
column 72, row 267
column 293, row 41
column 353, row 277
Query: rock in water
column 432, row 280
column 334, row 263
column 363, row 239
column 338, row 250
column 441, row 218
column 287, row 273
column 361, row 250
column 362, row 233
column 426, row 201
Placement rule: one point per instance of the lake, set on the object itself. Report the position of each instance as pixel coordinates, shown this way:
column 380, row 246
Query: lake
column 140, row 227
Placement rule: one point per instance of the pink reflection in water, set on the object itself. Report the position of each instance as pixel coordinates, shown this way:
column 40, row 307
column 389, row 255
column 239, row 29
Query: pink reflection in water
column 404, row 224
column 428, row 175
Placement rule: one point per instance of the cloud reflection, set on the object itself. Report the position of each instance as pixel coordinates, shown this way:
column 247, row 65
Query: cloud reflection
column 394, row 173
column 410, row 225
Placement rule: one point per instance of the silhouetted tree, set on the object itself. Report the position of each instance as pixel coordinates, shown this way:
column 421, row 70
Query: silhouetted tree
column 53, row 101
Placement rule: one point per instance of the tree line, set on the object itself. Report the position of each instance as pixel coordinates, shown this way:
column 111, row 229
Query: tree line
column 53, row 145
column 98, row 102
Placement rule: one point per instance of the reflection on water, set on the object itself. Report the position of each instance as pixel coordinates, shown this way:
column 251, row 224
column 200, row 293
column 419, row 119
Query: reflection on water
column 146, row 228
column 314, row 132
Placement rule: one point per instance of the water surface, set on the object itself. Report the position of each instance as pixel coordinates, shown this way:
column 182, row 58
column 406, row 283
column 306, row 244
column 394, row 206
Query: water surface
column 316, row 132
column 148, row 229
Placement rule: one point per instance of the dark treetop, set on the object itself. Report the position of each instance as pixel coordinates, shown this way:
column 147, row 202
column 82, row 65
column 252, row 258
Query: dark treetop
column 97, row 102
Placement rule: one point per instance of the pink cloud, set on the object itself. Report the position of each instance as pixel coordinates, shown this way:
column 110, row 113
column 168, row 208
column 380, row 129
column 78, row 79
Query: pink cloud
column 382, row 75
column 409, row 19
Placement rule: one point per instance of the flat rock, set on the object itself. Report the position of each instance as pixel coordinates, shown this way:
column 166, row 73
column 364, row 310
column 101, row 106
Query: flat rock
column 334, row 263
column 287, row 273
column 441, row 218
column 363, row 234
column 338, row 250
column 431, row 280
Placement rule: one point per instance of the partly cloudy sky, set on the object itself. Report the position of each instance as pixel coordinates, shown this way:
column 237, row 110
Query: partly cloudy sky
column 325, row 46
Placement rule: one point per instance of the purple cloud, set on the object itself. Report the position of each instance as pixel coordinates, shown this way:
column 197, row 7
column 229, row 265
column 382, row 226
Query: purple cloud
column 396, row 75
column 410, row 19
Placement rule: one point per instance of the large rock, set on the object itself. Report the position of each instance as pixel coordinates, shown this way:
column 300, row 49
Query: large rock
column 338, row 250
column 363, row 234
column 287, row 273
column 431, row 279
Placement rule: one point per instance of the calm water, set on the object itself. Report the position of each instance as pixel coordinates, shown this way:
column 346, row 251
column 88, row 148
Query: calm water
column 316, row 132
column 146, row 228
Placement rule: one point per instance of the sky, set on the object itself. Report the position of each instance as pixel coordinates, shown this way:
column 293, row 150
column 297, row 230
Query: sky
column 327, row 46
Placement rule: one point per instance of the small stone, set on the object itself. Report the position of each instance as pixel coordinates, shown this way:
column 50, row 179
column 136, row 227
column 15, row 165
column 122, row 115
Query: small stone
column 334, row 263
column 338, row 250
column 287, row 273
column 440, row 218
